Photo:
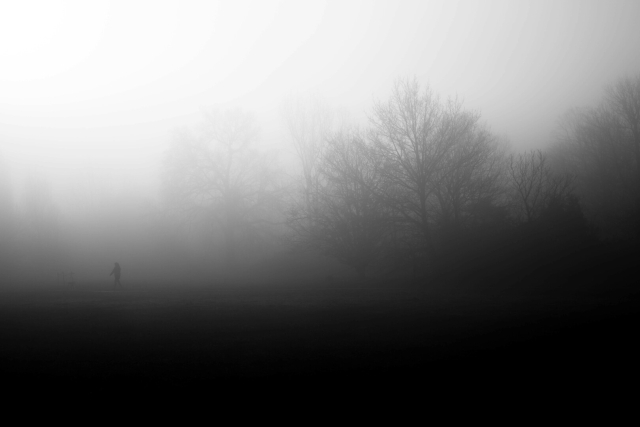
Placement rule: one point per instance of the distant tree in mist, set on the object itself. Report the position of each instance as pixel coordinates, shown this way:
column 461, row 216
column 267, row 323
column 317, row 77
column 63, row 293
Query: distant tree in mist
column 423, row 173
column 623, row 100
column 428, row 187
column 217, row 178
column 413, row 133
column 471, row 176
column 601, row 147
column 348, row 219
column 437, row 161
column 534, row 186
column 309, row 122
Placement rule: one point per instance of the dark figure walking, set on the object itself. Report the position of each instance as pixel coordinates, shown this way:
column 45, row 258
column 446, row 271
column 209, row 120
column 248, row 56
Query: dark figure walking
column 116, row 273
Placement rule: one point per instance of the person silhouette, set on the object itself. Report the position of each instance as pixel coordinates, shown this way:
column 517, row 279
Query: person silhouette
column 116, row 273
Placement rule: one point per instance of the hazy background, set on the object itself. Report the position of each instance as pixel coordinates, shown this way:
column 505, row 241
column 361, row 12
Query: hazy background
column 90, row 91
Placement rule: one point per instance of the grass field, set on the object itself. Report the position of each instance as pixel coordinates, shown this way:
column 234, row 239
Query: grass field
column 350, row 334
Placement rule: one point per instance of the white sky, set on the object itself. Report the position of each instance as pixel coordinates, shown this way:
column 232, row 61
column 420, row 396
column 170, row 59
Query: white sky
column 99, row 84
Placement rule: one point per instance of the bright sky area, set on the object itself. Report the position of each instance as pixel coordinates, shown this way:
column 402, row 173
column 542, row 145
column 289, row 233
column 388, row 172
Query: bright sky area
column 99, row 85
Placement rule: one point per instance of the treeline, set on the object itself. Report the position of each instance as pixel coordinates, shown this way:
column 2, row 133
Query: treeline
column 425, row 192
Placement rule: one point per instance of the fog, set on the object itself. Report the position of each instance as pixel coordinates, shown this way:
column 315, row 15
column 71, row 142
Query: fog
column 93, row 95
column 370, row 194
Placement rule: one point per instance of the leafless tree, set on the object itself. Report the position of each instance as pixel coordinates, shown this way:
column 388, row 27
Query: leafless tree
column 309, row 123
column 217, row 177
column 623, row 100
column 436, row 158
column 601, row 147
column 350, row 220
column 471, row 174
column 594, row 150
column 411, row 136
column 534, row 185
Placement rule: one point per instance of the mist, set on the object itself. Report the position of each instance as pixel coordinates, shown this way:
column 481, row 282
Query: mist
column 92, row 92
column 407, row 151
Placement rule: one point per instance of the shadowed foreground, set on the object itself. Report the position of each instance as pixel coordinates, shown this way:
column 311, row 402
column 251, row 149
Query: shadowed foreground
column 344, row 335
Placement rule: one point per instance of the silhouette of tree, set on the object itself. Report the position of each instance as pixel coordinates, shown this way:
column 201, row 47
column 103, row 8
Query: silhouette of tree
column 217, row 177
column 601, row 147
column 436, row 159
column 350, row 220
column 471, row 175
column 593, row 150
column 623, row 100
column 413, row 134
column 309, row 123
column 534, row 186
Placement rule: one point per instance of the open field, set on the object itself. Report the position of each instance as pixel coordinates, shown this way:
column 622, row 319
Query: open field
column 352, row 334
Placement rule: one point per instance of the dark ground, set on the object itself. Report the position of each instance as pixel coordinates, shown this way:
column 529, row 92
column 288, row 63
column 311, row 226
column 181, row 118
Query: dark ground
column 346, row 335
